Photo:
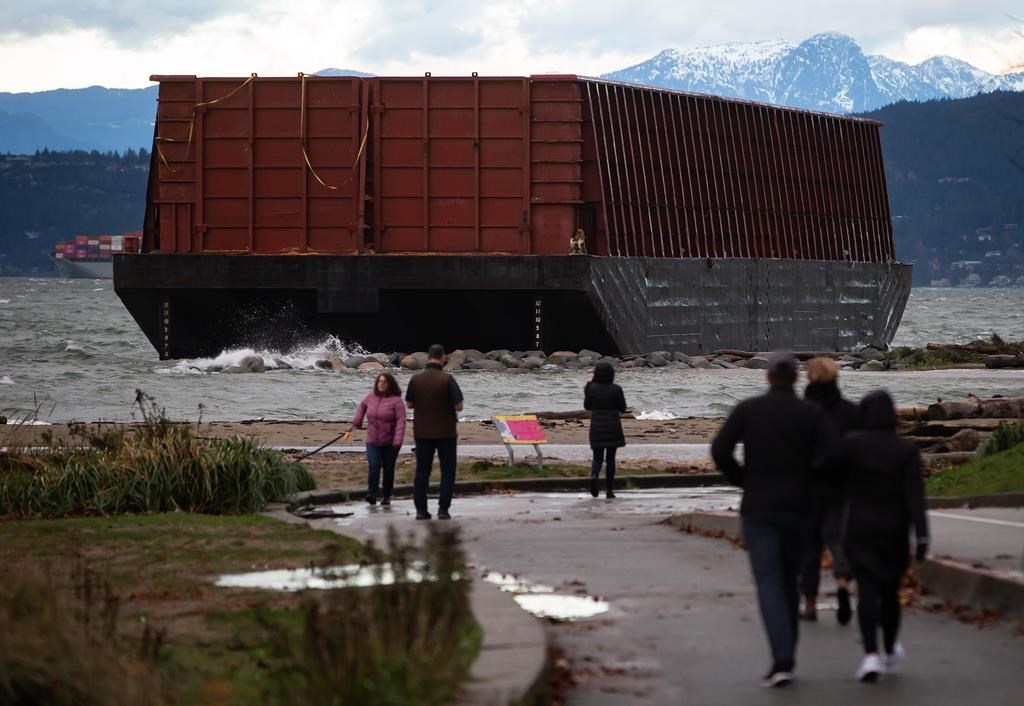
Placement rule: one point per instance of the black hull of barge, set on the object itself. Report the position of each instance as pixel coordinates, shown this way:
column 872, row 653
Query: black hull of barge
column 198, row 305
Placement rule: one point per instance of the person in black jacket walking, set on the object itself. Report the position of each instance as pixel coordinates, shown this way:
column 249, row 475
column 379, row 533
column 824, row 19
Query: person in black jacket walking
column 784, row 440
column 606, row 402
column 827, row 497
column 886, row 497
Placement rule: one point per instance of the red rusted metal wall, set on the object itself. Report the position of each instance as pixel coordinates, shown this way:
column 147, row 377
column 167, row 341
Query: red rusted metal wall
column 233, row 174
column 507, row 165
column 685, row 175
column 450, row 160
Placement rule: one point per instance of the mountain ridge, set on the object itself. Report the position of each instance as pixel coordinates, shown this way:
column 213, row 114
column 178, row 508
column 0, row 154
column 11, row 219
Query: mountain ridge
column 825, row 72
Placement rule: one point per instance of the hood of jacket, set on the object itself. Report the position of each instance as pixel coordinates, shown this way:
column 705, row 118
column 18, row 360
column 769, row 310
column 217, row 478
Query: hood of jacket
column 604, row 372
column 877, row 411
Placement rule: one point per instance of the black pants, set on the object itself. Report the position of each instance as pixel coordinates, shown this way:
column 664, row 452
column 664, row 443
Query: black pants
column 607, row 457
column 425, row 449
column 825, row 528
column 877, row 602
column 774, row 544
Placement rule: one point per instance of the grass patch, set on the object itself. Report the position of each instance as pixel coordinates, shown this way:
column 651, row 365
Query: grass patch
column 411, row 643
column 408, row 642
column 161, row 467
column 999, row 473
column 496, row 470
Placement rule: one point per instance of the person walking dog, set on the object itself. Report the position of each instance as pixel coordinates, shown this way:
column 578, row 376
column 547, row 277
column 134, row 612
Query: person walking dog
column 435, row 399
column 605, row 401
column 886, row 498
column 784, row 440
column 385, row 428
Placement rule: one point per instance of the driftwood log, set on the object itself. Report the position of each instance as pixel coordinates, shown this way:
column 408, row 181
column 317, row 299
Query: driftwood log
column 1004, row 361
column 972, row 407
column 978, row 347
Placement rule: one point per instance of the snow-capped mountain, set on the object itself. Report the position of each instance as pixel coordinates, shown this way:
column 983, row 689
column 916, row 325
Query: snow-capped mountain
column 827, row 72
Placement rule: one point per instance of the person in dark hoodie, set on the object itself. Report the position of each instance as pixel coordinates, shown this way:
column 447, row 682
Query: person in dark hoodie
column 605, row 401
column 828, row 499
column 885, row 495
column 785, row 439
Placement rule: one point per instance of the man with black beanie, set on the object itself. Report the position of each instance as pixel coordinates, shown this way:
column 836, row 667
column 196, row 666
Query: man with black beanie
column 784, row 440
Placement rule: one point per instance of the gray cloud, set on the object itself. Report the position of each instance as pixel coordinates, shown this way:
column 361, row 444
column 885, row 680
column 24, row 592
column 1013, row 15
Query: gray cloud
column 398, row 30
column 651, row 25
column 127, row 22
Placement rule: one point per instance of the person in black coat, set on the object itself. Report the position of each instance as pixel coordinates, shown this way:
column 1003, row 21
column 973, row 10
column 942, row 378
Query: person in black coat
column 885, row 495
column 605, row 401
column 827, row 498
column 785, row 440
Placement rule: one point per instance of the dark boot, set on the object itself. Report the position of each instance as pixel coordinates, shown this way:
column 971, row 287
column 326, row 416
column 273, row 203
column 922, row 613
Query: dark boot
column 593, row 485
column 609, row 483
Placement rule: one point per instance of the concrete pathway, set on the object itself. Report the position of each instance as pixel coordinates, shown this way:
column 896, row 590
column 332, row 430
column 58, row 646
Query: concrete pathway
column 682, row 625
column 561, row 452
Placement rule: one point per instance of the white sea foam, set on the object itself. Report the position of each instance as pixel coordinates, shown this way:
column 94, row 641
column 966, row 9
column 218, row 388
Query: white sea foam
column 6, row 380
column 5, row 301
column 656, row 414
column 301, row 358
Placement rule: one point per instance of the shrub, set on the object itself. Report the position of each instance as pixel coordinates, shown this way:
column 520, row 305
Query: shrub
column 410, row 641
column 1003, row 437
column 60, row 650
column 162, row 467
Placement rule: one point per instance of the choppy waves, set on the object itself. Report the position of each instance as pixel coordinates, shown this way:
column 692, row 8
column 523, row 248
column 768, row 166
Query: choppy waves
column 302, row 358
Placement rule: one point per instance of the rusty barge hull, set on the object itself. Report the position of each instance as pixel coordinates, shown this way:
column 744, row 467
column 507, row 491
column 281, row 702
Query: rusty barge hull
column 612, row 305
column 400, row 211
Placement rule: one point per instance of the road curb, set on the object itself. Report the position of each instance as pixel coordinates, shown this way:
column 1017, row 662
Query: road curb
column 521, row 485
column 512, row 666
column 952, row 581
column 989, row 500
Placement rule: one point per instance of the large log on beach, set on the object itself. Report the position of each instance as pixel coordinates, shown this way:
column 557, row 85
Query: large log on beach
column 979, row 347
column 995, row 408
column 1004, row 361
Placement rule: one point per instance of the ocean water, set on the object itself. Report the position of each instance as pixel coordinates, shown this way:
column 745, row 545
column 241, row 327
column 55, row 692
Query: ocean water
column 70, row 351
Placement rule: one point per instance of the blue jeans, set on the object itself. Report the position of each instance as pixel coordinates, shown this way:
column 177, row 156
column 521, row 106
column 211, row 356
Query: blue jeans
column 425, row 449
column 775, row 544
column 377, row 456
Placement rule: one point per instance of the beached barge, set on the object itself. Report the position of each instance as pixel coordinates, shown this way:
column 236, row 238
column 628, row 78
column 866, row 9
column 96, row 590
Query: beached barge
column 399, row 212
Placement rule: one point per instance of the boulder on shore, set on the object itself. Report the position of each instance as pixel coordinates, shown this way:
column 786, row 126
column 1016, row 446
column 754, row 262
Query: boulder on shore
column 411, row 362
column 455, row 359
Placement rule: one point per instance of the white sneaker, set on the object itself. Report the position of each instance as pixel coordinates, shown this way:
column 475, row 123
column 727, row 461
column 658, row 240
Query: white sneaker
column 894, row 661
column 870, row 668
column 776, row 679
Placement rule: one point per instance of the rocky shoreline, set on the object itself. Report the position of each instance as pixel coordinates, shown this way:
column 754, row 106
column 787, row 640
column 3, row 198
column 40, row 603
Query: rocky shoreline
column 868, row 359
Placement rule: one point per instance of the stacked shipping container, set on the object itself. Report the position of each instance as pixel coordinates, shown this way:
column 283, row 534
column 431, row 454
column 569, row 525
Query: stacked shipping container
column 506, row 165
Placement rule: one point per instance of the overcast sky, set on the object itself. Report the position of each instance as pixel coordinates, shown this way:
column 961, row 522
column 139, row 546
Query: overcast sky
column 48, row 44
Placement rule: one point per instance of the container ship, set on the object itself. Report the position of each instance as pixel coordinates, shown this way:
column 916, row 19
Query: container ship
column 547, row 212
column 91, row 256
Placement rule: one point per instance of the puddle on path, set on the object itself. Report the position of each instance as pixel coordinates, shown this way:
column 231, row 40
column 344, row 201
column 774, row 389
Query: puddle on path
column 351, row 576
column 543, row 602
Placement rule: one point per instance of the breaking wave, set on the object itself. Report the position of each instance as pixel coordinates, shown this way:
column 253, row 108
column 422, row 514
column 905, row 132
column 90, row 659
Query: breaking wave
column 300, row 358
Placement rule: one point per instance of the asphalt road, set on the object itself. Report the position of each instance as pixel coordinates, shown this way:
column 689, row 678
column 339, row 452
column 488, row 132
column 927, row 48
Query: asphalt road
column 682, row 625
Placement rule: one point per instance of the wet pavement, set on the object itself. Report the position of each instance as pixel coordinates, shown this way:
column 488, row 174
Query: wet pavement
column 990, row 538
column 559, row 452
column 681, row 624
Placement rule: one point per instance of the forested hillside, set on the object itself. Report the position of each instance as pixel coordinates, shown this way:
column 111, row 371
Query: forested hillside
column 52, row 196
column 955, row 170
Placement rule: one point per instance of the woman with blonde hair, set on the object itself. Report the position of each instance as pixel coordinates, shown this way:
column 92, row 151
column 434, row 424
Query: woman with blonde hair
column 825, row 523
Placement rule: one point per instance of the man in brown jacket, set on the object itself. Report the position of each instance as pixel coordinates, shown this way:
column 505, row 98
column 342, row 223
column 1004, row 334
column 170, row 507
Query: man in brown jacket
column 435, row 398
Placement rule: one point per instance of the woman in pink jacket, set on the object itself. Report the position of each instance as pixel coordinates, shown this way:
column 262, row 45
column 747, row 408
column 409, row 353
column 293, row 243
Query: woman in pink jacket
column 385, row 429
